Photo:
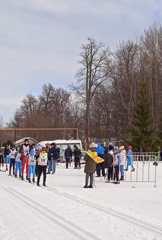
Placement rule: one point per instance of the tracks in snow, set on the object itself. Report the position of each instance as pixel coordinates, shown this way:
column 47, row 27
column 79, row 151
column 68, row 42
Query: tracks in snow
column 72, row 228
column 55, row 218
column 110, row 212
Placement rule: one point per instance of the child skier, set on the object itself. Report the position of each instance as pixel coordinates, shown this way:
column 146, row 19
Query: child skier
column 32, row 164
column 42, row 165
column 18, row 164
column 130, row 159
column 12, row 161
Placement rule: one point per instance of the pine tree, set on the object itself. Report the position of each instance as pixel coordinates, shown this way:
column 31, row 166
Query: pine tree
column 142, row 133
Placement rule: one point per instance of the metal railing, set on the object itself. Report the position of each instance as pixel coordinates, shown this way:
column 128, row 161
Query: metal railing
column 145, row 168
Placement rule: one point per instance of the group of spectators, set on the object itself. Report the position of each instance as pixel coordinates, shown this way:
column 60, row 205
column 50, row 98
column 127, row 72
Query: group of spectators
column 75, row 154
column 116, row 160
column 29, row 161
column 32, row 162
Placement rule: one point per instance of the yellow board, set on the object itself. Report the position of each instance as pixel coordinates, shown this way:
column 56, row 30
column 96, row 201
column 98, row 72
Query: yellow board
column 95, row 157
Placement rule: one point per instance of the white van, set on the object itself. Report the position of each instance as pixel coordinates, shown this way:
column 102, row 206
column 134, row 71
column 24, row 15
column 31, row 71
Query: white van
column 62, row 144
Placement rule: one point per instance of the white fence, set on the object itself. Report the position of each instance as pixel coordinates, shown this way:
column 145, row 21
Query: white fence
column 145, row 164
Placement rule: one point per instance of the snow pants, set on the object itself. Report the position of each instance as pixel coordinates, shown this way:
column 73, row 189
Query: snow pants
column 100, row 168
column 53, row 166
column 18, row 168
column 12, row 166
column 25, row 164
column 110, row 173
column 116, row 174
column 31, row 170
column 7, row 161
column 68, row 161
column 76, row 162
column 41, row 169
column 87, row 177
column 49, row 166
column 122, row 171
column 129, row 164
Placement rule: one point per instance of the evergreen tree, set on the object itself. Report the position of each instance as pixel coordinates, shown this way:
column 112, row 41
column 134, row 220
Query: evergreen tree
column 142, row 134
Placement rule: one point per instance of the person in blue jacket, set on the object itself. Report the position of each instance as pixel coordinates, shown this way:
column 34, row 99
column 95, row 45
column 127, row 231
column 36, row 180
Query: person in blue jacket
column 32, row 163
column 130, row 159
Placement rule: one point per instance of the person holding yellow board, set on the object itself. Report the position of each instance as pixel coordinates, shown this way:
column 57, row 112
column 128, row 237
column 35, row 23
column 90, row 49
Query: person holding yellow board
column 91, row 160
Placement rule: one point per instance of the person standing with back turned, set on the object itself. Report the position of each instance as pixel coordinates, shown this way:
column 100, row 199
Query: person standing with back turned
column 77, row 156
column 90, row 167
column 53, row 156
column 68, row 155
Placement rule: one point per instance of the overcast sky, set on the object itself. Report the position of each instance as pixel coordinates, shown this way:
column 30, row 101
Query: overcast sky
column 40, row 39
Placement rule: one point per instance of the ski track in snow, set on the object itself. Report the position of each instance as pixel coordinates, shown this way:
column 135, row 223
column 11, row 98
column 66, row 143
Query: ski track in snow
column 120, row 224
column 74, row 229
column 109, row 211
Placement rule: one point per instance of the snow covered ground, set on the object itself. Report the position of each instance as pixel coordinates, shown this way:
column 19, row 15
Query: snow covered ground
column 64, row 210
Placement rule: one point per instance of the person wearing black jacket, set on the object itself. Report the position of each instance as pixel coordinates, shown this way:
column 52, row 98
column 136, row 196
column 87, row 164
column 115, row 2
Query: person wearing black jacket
column 7, row 156
column 109, row 160
column 53, row 155
column 68, row 155
column 77, row 156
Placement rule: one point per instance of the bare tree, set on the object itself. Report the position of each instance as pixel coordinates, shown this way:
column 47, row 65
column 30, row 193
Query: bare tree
column 151, row 47
column 126, row 77
column 108, row 85
column 47, row 110
column 95, row 62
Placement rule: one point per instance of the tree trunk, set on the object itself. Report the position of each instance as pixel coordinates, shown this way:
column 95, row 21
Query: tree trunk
column 87, row 126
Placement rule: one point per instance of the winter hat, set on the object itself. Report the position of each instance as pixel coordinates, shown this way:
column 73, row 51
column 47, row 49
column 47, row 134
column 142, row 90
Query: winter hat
column 43, row 149
column 121, row 147
column 92, row 145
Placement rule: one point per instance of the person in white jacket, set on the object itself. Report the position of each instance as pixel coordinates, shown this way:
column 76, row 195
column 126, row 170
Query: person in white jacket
column 12, row 160
column 42, row 165
column 123, row 158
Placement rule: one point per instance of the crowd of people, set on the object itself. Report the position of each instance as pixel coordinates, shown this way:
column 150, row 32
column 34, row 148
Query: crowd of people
column 33, row 161
column 114, row 161
column 30, row 162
